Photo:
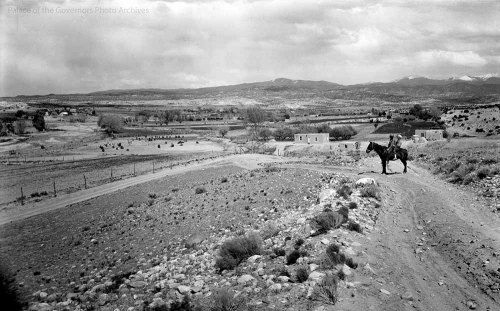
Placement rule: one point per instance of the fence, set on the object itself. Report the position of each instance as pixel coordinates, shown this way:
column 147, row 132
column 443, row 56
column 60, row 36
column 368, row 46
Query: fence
column 31, row 181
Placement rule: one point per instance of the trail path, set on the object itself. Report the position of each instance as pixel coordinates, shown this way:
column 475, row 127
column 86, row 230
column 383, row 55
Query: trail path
column 20, row 212
column 433, row 242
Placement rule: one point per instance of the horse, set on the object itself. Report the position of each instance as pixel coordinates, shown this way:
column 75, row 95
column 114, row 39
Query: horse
column 385, row 156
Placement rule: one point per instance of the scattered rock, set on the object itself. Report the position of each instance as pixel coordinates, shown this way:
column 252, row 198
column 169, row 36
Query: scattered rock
column 244, row 279
column 384, row 291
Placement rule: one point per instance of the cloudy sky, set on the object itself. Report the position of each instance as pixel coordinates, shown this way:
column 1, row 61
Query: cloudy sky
column 82, row 46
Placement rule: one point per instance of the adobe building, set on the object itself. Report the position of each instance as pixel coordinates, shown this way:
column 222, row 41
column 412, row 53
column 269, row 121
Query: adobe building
column 312, row 138
column 430, row 134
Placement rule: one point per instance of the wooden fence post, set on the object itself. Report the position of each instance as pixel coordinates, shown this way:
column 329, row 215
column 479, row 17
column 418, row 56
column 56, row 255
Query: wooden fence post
column 85, row 180
column 134, row 169
column 22, row 196
column 55, row 192
column 153, row 167
column 111, row 173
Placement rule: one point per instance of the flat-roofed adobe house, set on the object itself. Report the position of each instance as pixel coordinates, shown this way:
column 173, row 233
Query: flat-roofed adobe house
column 430, row 134
column 312, row 138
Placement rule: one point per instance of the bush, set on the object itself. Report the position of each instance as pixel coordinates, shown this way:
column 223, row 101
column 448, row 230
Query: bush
column 298, row 243
column 330, row 220
column 234, row 251
column 370, row 191
column 269, row 230
column 223, row 180
column 152, row 195
column 483, row 172
column 110, row 123
column 279, row 252
column 344, row 191
column 353, row 205
column 200, row 190
column 224, row 300
column 302, row 274
column 293, row 257
column 326, row 290
column 353, row 226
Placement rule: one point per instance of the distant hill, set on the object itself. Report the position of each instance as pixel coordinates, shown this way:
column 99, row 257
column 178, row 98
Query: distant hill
column 404, row 89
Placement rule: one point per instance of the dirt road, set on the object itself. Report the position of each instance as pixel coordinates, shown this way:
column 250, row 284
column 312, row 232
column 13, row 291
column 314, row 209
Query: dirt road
column 28, row 210
column 434, row 247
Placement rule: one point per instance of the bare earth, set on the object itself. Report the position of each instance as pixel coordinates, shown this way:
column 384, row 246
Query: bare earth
column 433, row 246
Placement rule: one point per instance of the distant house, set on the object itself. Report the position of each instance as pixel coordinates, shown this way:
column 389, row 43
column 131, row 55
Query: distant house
column 312, row 138
column 430, row 134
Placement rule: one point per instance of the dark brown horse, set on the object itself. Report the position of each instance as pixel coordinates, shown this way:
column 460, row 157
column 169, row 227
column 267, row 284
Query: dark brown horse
column 386, row 156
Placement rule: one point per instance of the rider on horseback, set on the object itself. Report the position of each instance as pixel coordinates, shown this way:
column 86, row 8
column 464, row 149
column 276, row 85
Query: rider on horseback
column 395, row 145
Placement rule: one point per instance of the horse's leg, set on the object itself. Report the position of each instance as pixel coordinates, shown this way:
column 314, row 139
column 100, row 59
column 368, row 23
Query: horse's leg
column 383, row 167
column 404, row 163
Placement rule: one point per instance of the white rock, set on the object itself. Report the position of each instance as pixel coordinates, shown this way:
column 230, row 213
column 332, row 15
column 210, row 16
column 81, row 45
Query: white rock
column 275, row 288
column 283, row 279
column 254, row 258
column 313, row 266
column 347, row 271
column 242, row 280
column 366, row 181
column 315, row 276
column 183, row 289
column 384, row 291
column 325, row 241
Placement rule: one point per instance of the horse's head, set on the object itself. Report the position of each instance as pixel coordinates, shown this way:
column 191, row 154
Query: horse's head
column 369, row 148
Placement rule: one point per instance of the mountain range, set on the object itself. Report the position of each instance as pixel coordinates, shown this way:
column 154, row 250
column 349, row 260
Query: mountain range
column 409, row 87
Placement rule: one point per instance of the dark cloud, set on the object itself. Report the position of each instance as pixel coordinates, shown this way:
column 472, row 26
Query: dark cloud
column 93, row 45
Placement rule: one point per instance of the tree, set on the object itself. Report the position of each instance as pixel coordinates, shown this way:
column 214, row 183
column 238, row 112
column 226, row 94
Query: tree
column 223, row 131
column 284, row 133
column 19, row 126
column 171, row 115
column 265, row 133
column 255, row 116
column 20, row 113
column 111, row 123
column 39, row 120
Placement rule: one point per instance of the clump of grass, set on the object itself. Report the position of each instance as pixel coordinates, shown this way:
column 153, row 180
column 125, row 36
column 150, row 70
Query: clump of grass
column 370, row 191
column 302, row 274
column 330, row 220
column 326, row 290
column 224, row 300
column 223, row 180
column 234, row 251
column 151, row 202
column 200, row 190
column 344, row 191
column 299, row 243
column 350, row 263
column 354, row 226
column 152, row 195
column 293, row 257
column 353, row 205
column 341, row 275
column 279, row 252
column 269, row 229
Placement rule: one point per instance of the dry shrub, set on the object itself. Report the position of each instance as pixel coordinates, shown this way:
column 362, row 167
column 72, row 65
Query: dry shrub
column 326, row 290
column 302, row 274
column 200, row 190
column 370, row 191
column 354, row 226
column 353, row 205
column 344, row 191
column 224, row 300
column 234, row 251
column 269, row 230
column 330, row 220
